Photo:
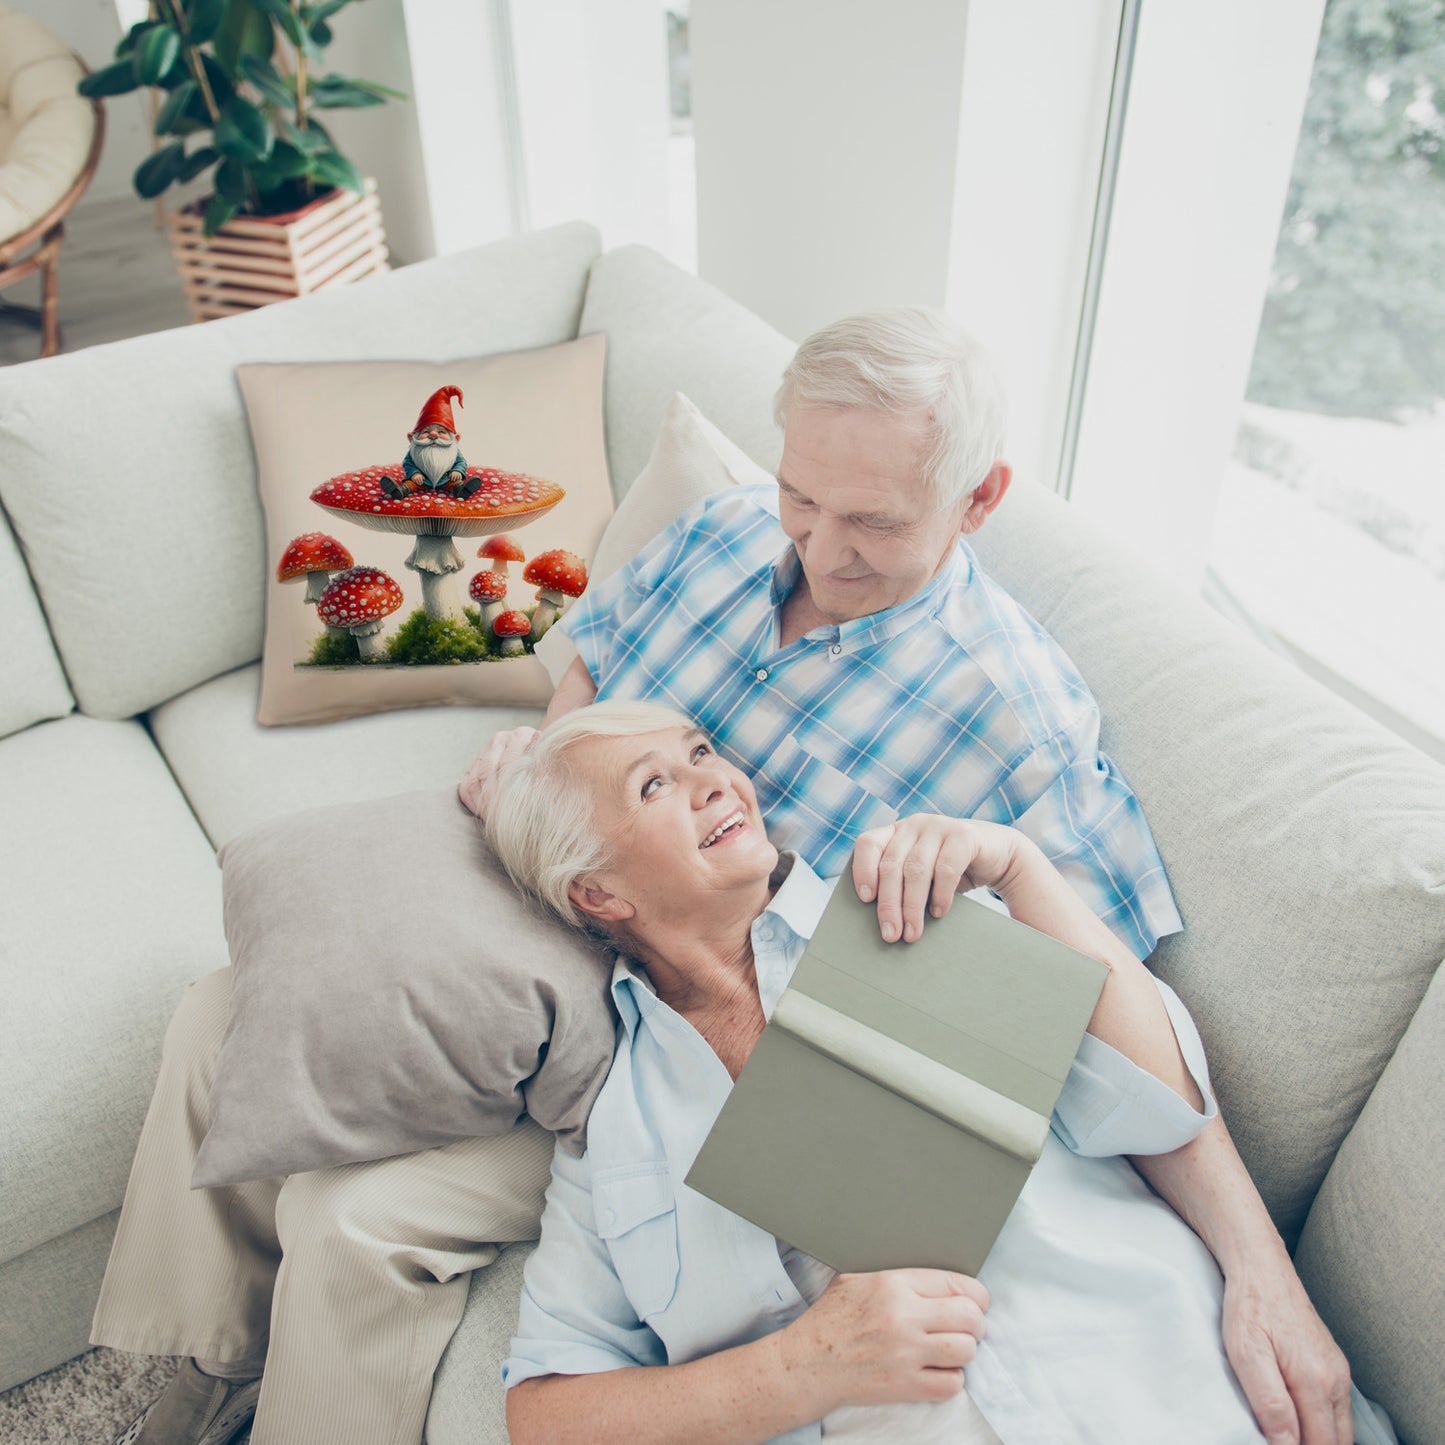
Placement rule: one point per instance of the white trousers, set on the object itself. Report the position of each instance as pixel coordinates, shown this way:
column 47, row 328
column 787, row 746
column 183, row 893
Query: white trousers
column 349, row 1281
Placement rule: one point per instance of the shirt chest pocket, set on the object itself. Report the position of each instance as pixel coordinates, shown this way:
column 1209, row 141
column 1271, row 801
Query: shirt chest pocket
column 815, row 809
column 637, row 1218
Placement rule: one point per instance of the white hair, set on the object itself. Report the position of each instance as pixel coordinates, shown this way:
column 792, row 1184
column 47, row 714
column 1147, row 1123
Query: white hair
column 908, row 360
column 542, row 820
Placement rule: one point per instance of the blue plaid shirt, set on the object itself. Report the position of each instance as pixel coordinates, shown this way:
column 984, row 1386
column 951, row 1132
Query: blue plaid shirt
column 954, row 702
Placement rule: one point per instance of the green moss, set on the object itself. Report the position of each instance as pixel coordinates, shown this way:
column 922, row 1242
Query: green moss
column 333, row 649
column 423, row 641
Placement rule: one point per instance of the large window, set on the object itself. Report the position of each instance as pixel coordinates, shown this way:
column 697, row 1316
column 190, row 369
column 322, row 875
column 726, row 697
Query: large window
column 1330, row 528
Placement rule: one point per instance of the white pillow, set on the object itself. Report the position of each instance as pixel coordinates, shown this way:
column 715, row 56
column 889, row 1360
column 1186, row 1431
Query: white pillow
column 691, row 459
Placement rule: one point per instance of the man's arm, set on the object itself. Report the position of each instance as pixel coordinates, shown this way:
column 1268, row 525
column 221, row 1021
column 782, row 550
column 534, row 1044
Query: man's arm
column 1295, row 1377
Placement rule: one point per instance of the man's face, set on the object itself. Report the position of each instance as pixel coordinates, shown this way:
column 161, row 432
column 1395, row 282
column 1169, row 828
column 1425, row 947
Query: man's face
column 852, row 499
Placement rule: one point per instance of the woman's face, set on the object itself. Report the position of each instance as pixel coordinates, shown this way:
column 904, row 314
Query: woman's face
column 682, row 824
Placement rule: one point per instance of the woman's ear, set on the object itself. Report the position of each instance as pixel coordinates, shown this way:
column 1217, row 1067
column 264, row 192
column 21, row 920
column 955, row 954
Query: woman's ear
column 596, row 902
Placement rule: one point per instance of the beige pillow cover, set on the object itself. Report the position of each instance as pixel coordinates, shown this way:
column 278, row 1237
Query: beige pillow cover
column 525, row 420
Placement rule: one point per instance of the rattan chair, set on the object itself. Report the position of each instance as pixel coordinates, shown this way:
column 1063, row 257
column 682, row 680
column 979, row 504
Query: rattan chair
column 50, row 139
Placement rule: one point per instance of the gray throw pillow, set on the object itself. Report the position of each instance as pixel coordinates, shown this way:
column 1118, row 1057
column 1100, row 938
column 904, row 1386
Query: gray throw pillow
column 393, row 992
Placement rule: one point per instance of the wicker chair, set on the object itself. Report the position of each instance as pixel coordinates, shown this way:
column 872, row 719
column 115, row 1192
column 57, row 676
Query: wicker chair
column 50, row 140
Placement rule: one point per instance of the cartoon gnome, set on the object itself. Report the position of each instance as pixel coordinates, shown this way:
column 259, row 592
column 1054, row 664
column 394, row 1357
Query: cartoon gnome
column 433, row 461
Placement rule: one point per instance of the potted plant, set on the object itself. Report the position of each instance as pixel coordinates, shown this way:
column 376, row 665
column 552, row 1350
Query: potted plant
column 240, row 84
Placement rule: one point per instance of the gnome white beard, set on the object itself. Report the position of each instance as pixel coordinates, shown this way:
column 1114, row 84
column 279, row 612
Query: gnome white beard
column 434, row 458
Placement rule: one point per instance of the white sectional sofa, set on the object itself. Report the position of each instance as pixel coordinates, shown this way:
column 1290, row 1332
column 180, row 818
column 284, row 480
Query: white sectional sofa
column 1306, row 846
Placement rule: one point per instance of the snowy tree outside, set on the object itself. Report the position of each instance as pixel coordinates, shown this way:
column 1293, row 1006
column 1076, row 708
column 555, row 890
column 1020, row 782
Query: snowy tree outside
column 1331, row 526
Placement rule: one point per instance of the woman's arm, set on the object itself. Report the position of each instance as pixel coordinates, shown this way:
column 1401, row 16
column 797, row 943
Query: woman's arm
column 903, row 1334
column 916, row 866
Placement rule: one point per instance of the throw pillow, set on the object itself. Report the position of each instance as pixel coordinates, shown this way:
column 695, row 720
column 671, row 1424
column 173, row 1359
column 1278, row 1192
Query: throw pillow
column 424, row 525
column 691, row 459
column 391, row 993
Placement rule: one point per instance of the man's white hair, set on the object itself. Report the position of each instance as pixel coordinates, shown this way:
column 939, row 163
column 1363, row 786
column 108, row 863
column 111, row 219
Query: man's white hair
column 542, row 820
column 908, row 360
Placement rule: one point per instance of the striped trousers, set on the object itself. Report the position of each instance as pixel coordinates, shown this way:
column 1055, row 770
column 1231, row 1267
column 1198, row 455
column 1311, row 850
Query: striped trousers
column 348, row 1281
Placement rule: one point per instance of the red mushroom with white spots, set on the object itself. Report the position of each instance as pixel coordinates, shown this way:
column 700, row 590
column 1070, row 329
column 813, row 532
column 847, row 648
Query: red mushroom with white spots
column 511, row 628
column 489, row 591
column 500, row 550
column 357, row 601
column 557, row 574
column 501, row 500
column 317, row 558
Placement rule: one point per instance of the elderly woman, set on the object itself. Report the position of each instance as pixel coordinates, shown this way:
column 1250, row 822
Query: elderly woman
column 653, row 1314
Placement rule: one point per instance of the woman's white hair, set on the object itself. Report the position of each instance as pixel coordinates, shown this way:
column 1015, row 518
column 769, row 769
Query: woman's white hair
column 542, row 819
column 908, row 360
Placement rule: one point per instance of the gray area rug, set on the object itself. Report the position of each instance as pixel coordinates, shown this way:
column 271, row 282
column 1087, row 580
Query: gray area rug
column 86, row 1402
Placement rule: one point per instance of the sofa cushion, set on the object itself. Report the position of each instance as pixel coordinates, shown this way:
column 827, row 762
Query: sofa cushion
column 669, row 332
column 327, row 436
column 1302, row 841
column 1372, row 1254
column 128, row 474
column 110, row 906
column 32, row 683
column 237, row 774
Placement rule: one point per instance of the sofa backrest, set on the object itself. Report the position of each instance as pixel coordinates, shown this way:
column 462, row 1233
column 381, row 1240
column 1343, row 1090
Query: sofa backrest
column 32, row 682
column 128, row 474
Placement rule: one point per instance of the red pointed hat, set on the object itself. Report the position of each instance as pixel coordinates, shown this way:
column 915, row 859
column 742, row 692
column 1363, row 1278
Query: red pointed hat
column 438, row 409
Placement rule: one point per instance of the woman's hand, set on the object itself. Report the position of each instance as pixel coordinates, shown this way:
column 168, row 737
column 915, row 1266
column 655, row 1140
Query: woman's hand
column 897, row 1335
column 475, row 788
column 918, row 864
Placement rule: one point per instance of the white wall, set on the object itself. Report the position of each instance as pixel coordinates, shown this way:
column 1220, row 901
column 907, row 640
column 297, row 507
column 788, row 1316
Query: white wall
column 827, row 143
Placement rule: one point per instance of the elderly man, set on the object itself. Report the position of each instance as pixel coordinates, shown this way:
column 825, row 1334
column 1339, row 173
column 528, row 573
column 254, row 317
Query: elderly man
column 838, row 641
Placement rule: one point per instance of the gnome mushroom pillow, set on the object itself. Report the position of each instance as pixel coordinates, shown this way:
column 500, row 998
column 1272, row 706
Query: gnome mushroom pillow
column 402, row 606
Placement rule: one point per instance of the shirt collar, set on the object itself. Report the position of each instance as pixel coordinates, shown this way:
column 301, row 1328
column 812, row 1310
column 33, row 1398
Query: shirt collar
column 882, row 626
column 783, row 929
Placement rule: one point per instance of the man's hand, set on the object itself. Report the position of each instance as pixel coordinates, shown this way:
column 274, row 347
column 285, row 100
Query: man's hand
column 1295, row 1377
column 475, row 788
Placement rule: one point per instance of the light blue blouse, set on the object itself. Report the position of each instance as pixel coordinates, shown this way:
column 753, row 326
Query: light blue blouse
column 1105, row 1316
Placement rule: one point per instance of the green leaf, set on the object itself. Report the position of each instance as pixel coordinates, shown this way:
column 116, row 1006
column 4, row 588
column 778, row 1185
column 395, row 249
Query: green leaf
column 320, row 34
column 244, row 31
column 197, row 161
column 231, row 182
column 175, row 106
column 131, row 38
column 378, row 89
column 218, row 212
column 312, row 140
column 222, row 85
column 333, row 92
column 278, row 89
column 287, row 163
column 157, row 171
column 333, row 168
column 242, row 132
column 285, row 17
column 117, row 79
column 157, row 52
column 323, row 11
column 203, row 19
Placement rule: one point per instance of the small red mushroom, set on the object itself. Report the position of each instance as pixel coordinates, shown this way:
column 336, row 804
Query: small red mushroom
column 501, row 549
column 512, row 627
column 355, row 602
column 316, row 557
column 489, row 591
column 557, row 574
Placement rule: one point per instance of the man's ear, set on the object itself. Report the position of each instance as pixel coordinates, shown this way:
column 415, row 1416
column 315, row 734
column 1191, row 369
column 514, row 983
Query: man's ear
column 986, row 496
column 595, row 901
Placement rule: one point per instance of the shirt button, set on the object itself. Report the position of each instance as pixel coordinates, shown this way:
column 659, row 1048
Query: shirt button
column 761, row 674
column 836, row 648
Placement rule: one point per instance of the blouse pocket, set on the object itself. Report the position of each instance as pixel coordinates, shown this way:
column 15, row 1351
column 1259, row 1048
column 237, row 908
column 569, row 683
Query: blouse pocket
column 637, row 1216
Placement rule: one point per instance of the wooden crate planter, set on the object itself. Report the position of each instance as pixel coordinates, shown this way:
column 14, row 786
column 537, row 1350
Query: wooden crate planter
column 255, row 260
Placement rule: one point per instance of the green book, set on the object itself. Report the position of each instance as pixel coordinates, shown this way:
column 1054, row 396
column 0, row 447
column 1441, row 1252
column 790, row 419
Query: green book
column 900, row 1094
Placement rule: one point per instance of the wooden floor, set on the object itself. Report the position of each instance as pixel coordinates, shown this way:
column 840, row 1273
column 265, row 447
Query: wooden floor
column 117, row 279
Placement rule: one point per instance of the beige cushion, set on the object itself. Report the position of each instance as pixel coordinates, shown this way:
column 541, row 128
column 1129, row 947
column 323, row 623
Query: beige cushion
column 691, row 459
column 391, row 993
column 32, row 684
column 1302, row 842
column 155, row 558
column 537, row 414
column 1373, row 1250
column 47, row 128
